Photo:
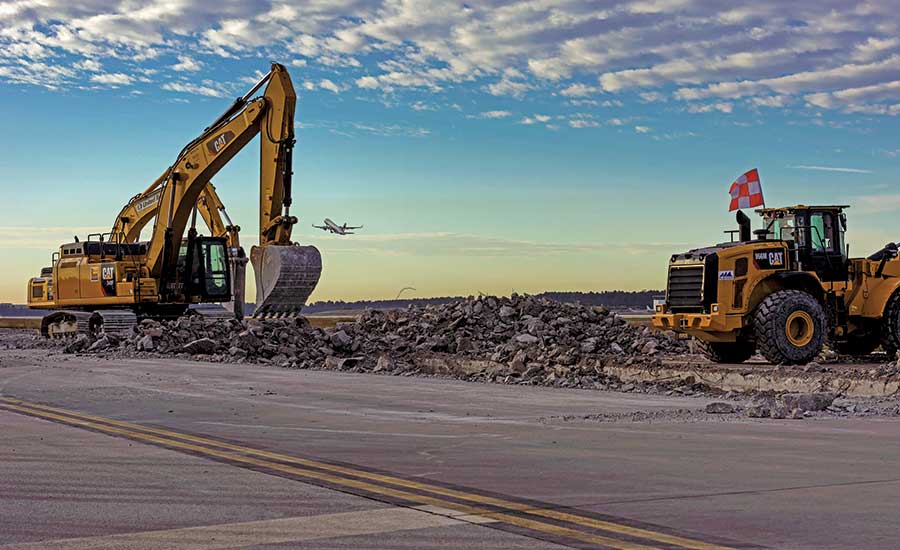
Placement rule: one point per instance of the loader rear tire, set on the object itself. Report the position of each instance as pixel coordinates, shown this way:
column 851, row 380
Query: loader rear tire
column 890, row 325
column 727, row 352
column 790, row 327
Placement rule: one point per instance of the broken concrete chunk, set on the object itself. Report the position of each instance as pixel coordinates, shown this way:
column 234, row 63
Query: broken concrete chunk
column 202, row 346
column 720, row 407
column 807, row 401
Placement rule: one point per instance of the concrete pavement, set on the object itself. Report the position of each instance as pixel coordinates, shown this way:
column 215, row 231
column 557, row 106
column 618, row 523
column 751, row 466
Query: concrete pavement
column 823, row 484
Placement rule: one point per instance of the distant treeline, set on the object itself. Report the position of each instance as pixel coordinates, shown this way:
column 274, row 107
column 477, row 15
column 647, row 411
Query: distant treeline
column 611, row 298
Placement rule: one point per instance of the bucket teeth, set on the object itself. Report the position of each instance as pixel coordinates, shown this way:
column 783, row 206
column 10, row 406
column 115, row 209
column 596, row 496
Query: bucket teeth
column 285, row 278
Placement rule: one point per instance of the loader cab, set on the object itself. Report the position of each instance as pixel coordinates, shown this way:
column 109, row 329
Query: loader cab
column 814, row 235
column 203, row 269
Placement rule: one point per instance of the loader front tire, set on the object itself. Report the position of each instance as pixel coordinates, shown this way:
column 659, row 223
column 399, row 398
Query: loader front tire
column 727, row 352
column 790, row 327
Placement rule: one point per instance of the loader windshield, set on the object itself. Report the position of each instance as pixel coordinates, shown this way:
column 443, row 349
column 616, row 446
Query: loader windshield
column 785, row 228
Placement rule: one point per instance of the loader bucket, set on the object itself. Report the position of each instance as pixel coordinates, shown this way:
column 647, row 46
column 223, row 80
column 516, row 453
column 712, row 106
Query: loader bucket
column 285, row 277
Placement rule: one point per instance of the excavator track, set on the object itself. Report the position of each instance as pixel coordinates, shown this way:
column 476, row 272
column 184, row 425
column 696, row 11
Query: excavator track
column 285, row 278
column 66, row 323
column 117, row 321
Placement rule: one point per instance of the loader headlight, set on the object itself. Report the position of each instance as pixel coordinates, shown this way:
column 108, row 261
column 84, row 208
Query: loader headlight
column 715, row 308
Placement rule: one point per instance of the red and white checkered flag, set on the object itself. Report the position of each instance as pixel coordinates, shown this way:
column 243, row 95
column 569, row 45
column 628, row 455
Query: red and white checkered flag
column 746, row 192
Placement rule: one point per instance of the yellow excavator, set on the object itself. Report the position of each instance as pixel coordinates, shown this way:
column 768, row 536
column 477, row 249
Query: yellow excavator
column 109, row 281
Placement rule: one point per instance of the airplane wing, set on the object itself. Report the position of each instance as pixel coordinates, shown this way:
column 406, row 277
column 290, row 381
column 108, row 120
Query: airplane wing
column 322, row 227
column 353, row 227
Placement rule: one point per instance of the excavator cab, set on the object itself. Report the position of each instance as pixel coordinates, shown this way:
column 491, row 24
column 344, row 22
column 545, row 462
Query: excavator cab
column 204, row 269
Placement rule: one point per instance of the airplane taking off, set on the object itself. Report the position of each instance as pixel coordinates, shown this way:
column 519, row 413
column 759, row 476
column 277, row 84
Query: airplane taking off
column 337, row 229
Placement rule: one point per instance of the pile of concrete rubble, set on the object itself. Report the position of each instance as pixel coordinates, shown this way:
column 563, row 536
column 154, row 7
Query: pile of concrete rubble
column 520, row 339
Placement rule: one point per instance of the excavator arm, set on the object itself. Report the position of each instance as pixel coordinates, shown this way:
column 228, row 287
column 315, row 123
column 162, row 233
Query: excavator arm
column 142, row 208
column 286, row 274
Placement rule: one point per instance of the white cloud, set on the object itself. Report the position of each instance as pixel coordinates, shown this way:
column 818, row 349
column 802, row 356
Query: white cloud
column 831, row 169
column 113, row 79
column 653, row 97
column 579, row 90
column 507, row 86
column 367, row 82
column 298, row 63
column 391, row 130
column 535, row 119
column 187, row 63
column 91, row 65
column 327, row 84
column 770, row 101
column 189, row 88
column 583, row 123
column 491, row 114
column 722, row 107
column 643, row 129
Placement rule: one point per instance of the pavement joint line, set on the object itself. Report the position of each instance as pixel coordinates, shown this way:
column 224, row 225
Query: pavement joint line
column 252, row 533
column 461, row 510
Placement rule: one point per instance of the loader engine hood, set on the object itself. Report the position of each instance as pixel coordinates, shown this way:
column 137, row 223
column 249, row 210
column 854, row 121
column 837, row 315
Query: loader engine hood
column 692, row 284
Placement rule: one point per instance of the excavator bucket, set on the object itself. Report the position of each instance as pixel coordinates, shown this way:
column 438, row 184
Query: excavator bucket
column 285, row 277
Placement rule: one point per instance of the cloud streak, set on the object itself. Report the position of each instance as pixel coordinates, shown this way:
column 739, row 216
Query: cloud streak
column 831, row 169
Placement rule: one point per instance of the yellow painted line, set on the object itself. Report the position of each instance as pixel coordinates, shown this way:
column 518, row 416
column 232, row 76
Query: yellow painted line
column 533, row 525
column 613, row 527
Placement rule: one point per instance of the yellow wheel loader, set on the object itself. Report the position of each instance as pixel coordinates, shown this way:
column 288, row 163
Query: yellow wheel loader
column 785, row 292
column 109, row 281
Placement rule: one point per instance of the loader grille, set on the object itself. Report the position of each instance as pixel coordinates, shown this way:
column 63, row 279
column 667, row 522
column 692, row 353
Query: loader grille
column 685, row 290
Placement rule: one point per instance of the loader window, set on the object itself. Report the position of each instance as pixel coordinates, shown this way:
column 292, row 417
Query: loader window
column 785, row 229
column 821, row 228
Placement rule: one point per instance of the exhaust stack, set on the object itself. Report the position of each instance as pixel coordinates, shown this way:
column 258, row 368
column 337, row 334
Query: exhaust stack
column 744, row 226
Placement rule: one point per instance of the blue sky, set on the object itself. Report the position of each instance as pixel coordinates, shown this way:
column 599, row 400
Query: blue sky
column 487, row 147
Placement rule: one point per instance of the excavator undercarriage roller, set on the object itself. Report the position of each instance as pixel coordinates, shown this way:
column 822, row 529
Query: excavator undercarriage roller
column 63, row 324
column 286, row 275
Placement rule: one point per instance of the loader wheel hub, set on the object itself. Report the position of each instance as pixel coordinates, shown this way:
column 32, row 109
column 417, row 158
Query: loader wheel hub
column 799, row 328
